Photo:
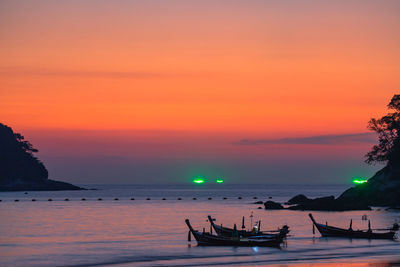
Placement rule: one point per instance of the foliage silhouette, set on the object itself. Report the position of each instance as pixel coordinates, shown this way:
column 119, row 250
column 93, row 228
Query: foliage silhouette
column 388, row 128
column 20, row 169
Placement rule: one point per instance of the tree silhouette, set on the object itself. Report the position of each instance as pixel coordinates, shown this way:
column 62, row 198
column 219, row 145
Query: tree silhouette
column 387, row 127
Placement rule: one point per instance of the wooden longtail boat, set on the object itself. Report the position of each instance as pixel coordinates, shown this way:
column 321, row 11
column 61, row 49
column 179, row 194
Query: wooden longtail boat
column 207, row 239
column 227, row 232
column 326, row 230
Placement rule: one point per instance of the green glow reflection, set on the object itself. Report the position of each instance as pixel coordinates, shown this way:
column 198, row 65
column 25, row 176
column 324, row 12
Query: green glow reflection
column 219, row 181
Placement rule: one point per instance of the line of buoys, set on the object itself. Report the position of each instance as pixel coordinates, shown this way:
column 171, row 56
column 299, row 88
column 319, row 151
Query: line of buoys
column 99, row 199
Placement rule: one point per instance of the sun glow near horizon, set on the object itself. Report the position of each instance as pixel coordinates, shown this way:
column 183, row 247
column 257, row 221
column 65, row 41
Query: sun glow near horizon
column 196, row 71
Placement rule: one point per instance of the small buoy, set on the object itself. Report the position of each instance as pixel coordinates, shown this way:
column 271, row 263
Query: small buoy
column 179, row 198
column 209, row 198
column 99, row 199
column 270, row 197
column 194, row 198
column 148, row 198
column 83, row 199
column 254, row 197
column 66, row 199
column 132, row 198
column 224, row 198
column 49, row 199
column 260, row 208
column 239, row 197
column 16, row 200
column 33, row 199
column 116, row 198
column 26, row 193
column 164, row 198
column 0, row 200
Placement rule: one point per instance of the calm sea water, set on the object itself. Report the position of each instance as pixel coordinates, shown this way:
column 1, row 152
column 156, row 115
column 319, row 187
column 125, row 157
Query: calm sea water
column 142, row 232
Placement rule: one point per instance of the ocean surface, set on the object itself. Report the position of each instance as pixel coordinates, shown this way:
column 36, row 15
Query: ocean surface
column 118, row 231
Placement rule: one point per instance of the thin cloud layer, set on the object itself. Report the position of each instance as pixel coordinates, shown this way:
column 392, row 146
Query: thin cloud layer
column 82, row 73
column 369, row 138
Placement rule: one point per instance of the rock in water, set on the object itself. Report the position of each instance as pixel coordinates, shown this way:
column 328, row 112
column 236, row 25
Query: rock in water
column 271, row 205
column 299, row 199
column 20, row 170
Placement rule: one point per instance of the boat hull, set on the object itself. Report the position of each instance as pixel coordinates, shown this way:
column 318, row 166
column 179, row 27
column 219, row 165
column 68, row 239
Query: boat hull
column 330, row 231
column 205, row 239
column 228, row 232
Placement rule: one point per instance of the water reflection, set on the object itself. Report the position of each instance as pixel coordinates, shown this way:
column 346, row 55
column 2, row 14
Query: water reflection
column 153, row 232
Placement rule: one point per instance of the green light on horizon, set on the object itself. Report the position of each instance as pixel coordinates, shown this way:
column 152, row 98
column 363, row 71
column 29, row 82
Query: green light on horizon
column 219, row 181
column 360, row 181
column 198, row 181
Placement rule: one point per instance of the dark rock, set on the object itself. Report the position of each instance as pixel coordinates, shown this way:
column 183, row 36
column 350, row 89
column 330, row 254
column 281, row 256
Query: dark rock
column 271, row 205
column 329, row 204
column 20, row 170
column 383, row 189
column 299, row 199
column 260, row 208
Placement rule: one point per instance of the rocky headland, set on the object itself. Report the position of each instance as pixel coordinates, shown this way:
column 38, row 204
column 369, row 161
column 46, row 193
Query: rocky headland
column 20, row 170
column 383, row 189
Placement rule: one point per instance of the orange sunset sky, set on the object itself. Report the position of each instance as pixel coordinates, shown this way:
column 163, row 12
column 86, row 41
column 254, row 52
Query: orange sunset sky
column 161, row 91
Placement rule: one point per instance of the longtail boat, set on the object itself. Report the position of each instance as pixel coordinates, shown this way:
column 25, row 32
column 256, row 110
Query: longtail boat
column 207, row 239
column 227, row 232
column 331, row 231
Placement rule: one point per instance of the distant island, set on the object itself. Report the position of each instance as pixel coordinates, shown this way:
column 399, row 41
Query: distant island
column 20, row 170
column 383, row 189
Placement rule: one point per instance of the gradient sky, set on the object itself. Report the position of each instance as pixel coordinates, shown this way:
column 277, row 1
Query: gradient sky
column 161, row 91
